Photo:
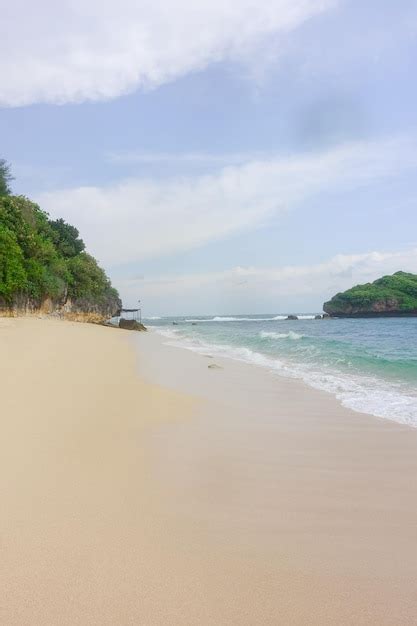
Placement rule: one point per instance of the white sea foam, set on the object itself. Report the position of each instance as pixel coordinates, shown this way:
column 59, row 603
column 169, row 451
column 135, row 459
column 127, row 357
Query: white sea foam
column 151, row 317
column 170, row 333
column 289, row 335
column 244, row 319
column 227, row 319
column 364, row 394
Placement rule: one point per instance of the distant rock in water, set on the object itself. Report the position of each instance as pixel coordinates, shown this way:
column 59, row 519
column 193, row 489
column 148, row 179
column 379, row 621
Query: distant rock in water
column 389, row 296
column 317, row 317
column 292, row 317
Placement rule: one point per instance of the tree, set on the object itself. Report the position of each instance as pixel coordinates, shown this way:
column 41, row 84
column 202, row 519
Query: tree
column 88, row 279
column 5, row 178
column 66, row 238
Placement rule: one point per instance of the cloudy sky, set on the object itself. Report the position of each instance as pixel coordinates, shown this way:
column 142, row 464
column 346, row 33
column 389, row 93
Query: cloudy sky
column 219, row 157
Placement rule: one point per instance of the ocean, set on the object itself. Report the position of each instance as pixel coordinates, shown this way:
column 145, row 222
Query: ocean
column 369, row 364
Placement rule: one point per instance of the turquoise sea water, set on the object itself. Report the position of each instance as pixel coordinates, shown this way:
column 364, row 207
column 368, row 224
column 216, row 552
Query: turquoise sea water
column 369, row 364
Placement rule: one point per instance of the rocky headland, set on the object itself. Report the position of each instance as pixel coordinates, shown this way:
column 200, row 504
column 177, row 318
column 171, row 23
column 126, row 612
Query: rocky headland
column 45, row 269
column 389, row 296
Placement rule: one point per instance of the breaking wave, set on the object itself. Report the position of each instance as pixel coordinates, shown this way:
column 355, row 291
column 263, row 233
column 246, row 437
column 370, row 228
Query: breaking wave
column 240, row 319
column 290, row 335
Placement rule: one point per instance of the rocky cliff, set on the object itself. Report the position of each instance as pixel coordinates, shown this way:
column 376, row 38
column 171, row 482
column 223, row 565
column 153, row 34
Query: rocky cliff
column 44, row 267
column 389, row 296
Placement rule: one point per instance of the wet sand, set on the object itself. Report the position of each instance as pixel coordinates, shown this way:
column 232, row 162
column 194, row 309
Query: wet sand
column 140, row 486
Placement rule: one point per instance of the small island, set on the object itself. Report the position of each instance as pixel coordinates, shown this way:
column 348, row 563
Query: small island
column 389, row 296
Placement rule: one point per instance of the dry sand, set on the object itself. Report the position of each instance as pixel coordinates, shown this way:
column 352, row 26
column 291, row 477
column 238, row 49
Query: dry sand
column 138, row 486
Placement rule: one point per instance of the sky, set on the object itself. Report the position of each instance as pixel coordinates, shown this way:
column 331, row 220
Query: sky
column 219, row 158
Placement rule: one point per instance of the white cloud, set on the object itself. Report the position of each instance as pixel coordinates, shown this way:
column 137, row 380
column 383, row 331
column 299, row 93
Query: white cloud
column 138, row 219
column 77, row 50
column 252, row 289
column 188, row 158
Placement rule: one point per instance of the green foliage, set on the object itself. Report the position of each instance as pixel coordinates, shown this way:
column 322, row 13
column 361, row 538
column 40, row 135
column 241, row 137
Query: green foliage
column 42, row 258
column 397, row 292
column 5, row 178
column 12, row 271
column 87, row 278
column 66, row 238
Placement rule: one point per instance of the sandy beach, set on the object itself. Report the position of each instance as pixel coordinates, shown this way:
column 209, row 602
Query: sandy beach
column 140, row 486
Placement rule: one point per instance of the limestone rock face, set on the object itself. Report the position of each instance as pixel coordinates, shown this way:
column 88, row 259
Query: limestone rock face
column 92, row 310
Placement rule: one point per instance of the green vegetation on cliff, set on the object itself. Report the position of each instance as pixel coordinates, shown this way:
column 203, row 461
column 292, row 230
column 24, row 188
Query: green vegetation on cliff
column 43, row 259
column 5, row 178
column 388, row 296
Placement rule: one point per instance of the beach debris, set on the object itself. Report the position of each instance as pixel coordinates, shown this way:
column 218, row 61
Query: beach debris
column 214, row 366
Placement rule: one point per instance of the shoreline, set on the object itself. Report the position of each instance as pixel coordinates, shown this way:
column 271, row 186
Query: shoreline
column 360, row 394
column 161, row 352
column 324, row 489
column 141, row 486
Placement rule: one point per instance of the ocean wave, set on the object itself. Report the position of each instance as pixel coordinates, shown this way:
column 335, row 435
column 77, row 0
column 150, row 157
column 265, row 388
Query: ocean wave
column 363, row 394
column 240, row 319
column 170, row 333
column 227, row 319
column 151, row 317
column 289, row 335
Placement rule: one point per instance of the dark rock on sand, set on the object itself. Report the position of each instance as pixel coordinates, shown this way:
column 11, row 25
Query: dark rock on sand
column 131, row 325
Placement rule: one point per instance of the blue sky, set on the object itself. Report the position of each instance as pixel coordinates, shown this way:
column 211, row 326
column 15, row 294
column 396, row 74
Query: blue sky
column 219, row 159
